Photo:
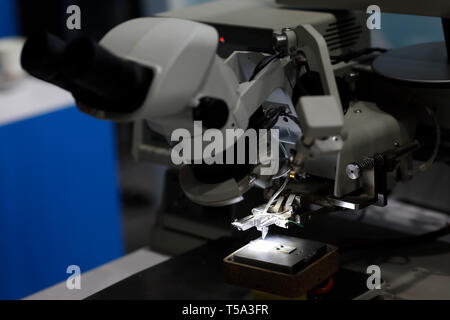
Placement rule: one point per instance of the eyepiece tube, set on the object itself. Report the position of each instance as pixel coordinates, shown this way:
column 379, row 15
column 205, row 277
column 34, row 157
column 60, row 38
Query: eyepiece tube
column 122, row 84
column 41, row 57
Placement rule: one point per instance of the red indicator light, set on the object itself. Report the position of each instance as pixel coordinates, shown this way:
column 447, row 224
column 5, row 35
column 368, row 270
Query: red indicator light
column 222, row 40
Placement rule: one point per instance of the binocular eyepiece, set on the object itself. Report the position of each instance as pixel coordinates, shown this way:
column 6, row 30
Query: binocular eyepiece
column 95, row 76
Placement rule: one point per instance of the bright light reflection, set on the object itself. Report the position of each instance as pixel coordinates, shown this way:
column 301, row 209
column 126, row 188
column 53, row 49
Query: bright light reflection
column 262, row 245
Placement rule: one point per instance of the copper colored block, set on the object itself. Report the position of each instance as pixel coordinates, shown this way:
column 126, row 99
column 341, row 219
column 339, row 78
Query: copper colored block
column 282, row 284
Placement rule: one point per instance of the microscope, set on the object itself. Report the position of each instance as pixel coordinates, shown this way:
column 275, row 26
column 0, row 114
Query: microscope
column 340, row 122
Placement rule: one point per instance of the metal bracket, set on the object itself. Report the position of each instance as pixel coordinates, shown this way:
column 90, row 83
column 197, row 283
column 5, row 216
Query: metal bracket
column 312, row 43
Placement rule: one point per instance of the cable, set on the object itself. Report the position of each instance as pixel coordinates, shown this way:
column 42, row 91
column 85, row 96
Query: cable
column 268, row 118
column 283, row 149
column 390, row 243
column 262, row 64
column 290, row 116
column 281, row 175
column 327, row 288
column 275, row 195
column 356, row 54
column 424, row 167
column 296, row 223
column 286, row 156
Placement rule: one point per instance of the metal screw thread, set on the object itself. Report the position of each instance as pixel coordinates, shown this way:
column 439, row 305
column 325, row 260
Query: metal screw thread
column 367, row 163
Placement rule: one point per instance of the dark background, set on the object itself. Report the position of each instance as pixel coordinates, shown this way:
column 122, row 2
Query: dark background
column 140, row 183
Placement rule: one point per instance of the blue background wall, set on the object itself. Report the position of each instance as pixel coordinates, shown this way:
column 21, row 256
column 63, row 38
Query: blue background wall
column 59, row 201
column 58, row 187
column 401, row 30
column 8, row 18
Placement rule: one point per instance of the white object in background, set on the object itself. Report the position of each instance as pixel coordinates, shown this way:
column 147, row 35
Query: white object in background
column 31, row 98
column 10, row 69
column 102, row 277
column 178, row 4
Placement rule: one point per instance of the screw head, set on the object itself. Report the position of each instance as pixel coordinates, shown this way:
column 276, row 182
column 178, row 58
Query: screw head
column 353, row 171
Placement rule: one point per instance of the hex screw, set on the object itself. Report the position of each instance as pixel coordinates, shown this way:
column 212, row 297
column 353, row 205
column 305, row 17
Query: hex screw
column 355, row 169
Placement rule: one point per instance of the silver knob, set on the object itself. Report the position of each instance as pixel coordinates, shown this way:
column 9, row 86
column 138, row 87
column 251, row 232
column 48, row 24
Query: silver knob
column 353, row 171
